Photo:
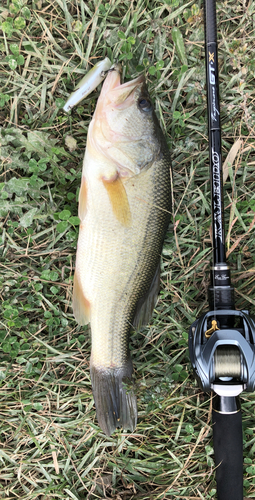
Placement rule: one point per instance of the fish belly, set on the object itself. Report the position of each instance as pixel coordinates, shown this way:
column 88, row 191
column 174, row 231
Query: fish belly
column 115, row 267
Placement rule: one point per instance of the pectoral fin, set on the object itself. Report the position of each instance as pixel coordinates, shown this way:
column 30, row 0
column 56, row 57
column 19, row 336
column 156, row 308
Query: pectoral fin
column 119, row 200
column 146, row 304
column 81, row 306
column 82, row 200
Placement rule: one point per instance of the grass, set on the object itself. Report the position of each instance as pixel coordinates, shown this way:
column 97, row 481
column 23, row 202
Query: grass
column 51, row 445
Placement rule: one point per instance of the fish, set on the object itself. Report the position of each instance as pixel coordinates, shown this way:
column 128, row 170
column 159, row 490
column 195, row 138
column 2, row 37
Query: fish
column 124, row 211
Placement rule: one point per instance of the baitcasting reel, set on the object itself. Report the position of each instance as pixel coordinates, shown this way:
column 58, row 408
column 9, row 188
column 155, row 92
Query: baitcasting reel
column 223, row 357
column 222, row 353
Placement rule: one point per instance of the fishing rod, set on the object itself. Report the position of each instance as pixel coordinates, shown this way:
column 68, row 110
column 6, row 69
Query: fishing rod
column 222, row 341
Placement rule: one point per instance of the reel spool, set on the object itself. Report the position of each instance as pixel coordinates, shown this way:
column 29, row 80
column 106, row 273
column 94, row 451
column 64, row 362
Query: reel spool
column 227, row 363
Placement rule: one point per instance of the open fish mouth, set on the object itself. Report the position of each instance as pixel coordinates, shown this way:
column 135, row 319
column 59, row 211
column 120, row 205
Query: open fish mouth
column 116, row 92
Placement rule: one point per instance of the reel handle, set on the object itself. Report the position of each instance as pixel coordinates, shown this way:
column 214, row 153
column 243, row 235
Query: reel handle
column 228, row 447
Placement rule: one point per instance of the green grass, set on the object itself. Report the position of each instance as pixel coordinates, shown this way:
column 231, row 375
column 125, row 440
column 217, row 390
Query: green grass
column 51, row 446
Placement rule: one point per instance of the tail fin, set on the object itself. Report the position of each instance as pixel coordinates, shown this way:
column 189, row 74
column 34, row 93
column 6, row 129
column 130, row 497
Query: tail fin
column 115, row 407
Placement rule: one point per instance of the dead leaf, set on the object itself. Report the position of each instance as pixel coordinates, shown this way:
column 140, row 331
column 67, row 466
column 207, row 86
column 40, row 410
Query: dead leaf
column 55, row 460
column 241, row 237
column 70, row 142
column 104, row 481
column 231, row 158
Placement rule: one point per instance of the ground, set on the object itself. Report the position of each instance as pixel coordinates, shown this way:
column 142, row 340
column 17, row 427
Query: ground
column 51, row 445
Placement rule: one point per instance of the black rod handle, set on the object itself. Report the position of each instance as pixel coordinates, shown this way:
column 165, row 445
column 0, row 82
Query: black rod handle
column 228, row 449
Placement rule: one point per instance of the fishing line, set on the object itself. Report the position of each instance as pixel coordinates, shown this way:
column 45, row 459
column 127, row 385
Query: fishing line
column 227, row 362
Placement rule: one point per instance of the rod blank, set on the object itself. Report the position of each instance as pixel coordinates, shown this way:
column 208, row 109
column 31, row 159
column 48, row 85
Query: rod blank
column 214, row 132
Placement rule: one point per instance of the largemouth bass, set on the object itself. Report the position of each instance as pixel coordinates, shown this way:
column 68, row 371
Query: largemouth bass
column 124, row 209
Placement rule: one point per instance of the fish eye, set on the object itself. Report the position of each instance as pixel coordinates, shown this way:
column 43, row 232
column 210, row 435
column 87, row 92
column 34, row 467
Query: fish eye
column 145, row 104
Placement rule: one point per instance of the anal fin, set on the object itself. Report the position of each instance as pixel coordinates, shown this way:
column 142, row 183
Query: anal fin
column 81, row 306
column 146, row 304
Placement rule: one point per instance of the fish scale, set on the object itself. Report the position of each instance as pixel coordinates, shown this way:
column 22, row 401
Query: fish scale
column 129, row 281
column 126, row 216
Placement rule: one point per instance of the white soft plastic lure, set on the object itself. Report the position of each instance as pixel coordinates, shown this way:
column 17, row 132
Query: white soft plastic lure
column 88, row 83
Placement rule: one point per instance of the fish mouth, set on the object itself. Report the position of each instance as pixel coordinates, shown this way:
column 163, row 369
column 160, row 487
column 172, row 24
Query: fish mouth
column 116, row 92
